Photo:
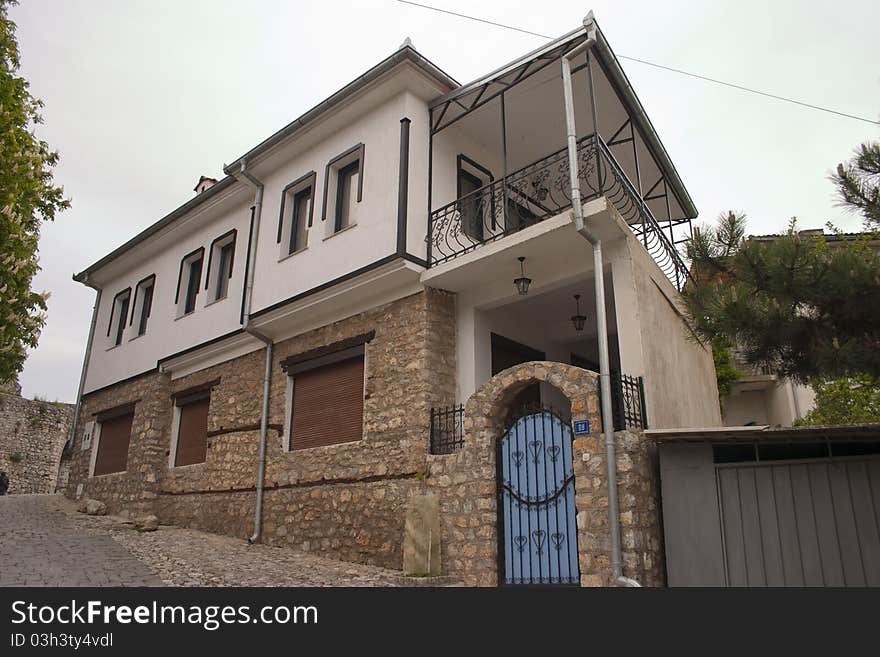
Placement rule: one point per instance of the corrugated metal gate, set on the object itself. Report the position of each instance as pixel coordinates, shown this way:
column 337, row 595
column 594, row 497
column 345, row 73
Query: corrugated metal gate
column 800, row 523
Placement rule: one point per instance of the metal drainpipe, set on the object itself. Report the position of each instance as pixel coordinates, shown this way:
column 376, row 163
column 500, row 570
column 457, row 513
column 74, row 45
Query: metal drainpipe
column 601, row 320
column 245, row 175
column 71, row 436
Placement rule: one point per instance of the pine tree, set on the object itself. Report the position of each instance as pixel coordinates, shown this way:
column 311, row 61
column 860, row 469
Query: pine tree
column 858, row 183
column 803, row 306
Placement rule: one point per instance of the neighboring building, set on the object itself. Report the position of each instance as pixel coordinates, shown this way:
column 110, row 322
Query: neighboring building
column 761, row 397
column 32, row 435
column 372, row 244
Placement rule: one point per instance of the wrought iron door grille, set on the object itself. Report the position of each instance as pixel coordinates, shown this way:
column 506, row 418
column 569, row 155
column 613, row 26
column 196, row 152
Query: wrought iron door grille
column 447, row 429
column 537, row 539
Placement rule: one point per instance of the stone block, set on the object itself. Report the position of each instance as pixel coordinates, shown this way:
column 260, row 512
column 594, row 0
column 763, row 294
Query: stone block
column 421, row 539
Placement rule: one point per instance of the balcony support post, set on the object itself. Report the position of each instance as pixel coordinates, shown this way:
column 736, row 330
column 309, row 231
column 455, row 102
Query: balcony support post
column 632, row 133
column 504, row 164
column 596, row 136
column 430, row 236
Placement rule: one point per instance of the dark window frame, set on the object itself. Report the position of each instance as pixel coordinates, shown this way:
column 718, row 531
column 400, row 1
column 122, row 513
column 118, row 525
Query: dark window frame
column 189, row 257
column 225, row 236
column 359, row 150
column 460, row 172
column 113, row 313
column 301, row 184
column 142, row 284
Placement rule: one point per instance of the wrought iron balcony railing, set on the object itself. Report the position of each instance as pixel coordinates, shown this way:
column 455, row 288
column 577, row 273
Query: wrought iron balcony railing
column 542, row 190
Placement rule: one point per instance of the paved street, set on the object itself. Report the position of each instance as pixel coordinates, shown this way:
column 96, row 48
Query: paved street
column 42, row 545
column 44, row 542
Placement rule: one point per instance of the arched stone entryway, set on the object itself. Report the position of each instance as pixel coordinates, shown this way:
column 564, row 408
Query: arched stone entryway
column 466, row 480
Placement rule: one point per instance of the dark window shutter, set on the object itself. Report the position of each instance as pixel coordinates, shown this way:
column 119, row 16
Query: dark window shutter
column 192, row 433
column 328, row 405
column 113, row 445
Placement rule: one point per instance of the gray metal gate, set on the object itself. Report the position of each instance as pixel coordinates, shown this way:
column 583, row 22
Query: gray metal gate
column 800, row 523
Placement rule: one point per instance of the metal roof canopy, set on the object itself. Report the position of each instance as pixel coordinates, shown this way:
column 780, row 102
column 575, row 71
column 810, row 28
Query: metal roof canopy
column 765, row 434
column 450, row 107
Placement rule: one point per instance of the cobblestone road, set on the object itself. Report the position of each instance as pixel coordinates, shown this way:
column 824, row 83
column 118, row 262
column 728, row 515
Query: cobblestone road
column 44, row 542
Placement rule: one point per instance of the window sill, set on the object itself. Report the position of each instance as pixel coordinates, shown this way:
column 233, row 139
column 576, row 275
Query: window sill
column 191, row 312
column 339, row 232
column 113, row 346
column 211, row 303
column 293, row 450
column 137, row 336
column 290, row 255
column 174, row 468
column 108, row 474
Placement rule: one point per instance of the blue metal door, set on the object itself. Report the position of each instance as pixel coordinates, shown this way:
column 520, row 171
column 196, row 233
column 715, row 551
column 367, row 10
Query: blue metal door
column 536, row 511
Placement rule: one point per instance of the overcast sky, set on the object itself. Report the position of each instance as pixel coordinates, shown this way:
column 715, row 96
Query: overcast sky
column 143, row 97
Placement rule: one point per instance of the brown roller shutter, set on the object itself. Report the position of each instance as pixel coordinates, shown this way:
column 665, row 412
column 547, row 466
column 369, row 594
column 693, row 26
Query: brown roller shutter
column 192, row 433
column 328, row 404
column 113, row 445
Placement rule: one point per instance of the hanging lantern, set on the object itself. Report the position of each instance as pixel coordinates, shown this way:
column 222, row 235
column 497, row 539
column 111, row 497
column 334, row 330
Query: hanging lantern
column 578, row 320
column 522, row 283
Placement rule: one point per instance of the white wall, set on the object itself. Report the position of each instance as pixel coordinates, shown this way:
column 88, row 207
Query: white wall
column 371, row 117
column 167, row 333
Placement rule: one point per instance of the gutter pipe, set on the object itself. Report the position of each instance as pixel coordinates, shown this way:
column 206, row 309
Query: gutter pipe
column 245, row 176
column 71, row 436
column 601, row 319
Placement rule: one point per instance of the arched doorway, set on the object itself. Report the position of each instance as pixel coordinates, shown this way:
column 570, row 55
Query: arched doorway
column 537, row 529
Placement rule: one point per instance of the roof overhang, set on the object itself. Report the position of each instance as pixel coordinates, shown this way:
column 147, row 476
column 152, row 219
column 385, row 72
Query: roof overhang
column 406, row 54
column 211, row 193
column 462, row 100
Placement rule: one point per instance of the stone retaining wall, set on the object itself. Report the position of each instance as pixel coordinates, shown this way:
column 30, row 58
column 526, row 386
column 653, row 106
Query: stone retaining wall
column 32, row 435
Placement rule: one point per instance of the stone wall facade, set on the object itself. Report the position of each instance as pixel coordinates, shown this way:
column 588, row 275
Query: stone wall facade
column 32, row 436
column 466, row 483
column 347, row 501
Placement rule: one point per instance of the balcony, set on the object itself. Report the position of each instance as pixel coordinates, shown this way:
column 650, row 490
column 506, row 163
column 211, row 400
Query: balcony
column 541, row 190
column 498, row 156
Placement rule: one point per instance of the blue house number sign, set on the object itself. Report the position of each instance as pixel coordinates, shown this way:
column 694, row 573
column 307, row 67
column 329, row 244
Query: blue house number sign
column 581, row 427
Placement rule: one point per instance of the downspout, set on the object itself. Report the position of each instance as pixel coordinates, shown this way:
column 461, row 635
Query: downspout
column 244, row 175
column 601, row 319
column 71, row 437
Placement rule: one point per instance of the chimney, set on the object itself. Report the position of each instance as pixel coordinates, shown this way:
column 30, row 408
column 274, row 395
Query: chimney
column 204, row 184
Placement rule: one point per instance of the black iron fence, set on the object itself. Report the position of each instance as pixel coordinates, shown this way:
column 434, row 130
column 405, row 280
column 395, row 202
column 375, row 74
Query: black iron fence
column 447, row 429
column 627, row 409
column 541, row 190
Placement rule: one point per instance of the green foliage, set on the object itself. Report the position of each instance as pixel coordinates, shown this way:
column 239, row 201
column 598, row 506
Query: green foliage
column 858, row 183
column 796, row 304
column 15, row 457
column 725, row 372
column 851, row 400
column 27, row 197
